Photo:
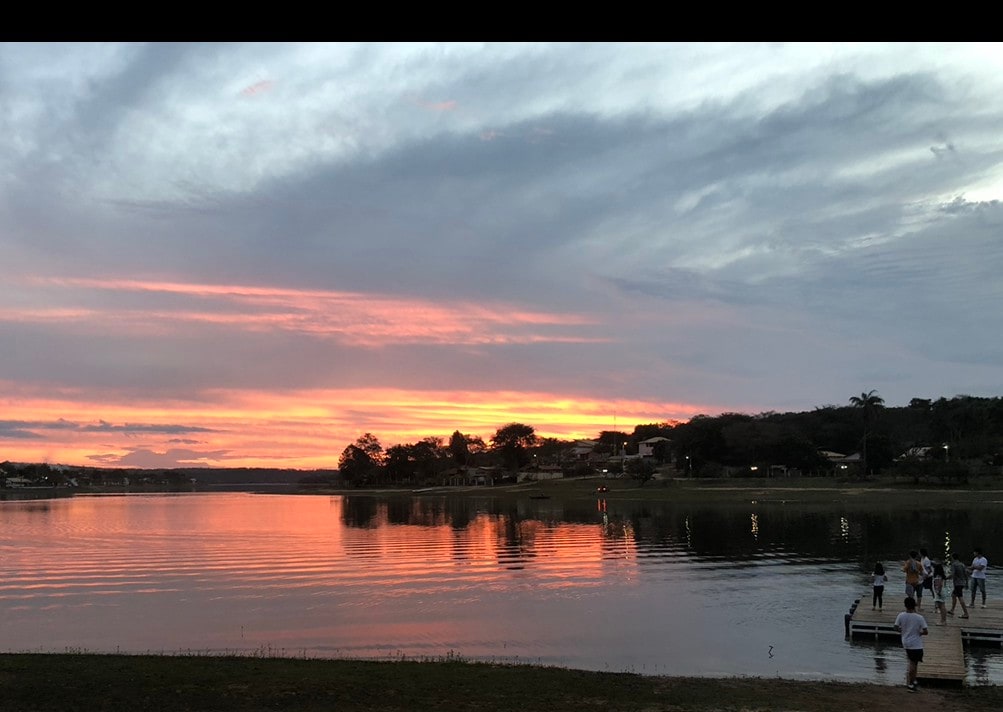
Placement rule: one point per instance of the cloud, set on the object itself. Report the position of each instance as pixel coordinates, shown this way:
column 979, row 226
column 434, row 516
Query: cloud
column 33, row 427
column 171, row 458
column 258, row 87
column 17, row 431
column 438, row 105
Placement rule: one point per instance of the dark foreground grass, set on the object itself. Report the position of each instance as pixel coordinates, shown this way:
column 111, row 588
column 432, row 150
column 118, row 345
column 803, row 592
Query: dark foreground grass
column 147, row 683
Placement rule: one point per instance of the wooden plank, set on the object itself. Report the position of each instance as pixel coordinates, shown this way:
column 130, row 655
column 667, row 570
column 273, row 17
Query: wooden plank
column 943, row 655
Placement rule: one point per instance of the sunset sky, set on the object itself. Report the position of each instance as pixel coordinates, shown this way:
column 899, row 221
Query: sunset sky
column 249, row 255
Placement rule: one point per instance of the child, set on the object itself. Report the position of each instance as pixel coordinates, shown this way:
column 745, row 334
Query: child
column 880, row 578
column 940, row 593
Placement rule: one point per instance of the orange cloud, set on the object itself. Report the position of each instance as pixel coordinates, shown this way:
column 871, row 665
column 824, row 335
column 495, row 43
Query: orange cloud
column 301, row 428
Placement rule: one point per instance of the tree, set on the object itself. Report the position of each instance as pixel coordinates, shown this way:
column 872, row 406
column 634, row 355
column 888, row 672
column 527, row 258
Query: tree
column 476, row 445
column 612, row 442
column 370, row 444
column 360, row 462
column 458, row 448
column 550, row 451
column 356, row 466
column 405, row 463
column 869, row 403
column 512, row 441
column 640, row 470
column 651, row 430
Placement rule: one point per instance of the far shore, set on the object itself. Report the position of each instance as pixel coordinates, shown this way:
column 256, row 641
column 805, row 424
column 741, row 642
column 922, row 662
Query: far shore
column 806, row 490
column 792, row 490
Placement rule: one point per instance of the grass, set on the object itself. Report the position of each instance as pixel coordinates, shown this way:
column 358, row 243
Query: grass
column 188, row 683
column 808, row 490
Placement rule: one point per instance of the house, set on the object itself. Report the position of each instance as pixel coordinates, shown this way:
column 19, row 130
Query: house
column 840, row 462
column 916, row 453
column 583, row 449
column 546, row 472
column 475, row 476
column 646, row 448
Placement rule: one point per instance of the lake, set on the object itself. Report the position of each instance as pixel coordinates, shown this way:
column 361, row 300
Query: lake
column 757, row 588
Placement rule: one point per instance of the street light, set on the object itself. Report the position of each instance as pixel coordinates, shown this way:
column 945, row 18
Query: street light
column 689, row 466
column 947, row 452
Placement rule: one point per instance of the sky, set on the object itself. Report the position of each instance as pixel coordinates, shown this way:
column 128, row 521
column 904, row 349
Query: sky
column 248, row 255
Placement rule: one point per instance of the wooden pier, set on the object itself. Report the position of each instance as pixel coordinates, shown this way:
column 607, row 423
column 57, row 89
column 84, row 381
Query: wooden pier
column 943, row 648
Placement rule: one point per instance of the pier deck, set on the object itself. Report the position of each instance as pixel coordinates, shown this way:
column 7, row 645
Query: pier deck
column 943, row 649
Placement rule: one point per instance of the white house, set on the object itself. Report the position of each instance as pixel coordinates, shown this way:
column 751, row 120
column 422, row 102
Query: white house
column 646, row 448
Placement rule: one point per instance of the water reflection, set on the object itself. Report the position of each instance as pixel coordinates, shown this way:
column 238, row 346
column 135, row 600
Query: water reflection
column 750, row 589
column 980, row 661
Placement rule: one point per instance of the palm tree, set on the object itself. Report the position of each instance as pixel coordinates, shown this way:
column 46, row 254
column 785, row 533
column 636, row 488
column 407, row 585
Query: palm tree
column 868, row 402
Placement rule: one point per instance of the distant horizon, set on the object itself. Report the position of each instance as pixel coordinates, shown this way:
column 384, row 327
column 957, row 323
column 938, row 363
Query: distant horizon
column 329, row 459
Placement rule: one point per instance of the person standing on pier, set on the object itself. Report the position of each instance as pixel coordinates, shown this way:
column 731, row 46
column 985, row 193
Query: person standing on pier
column 880, row 579
column 959, row 577
column 924, row 560
column 917, row 589
column 940, row 592
column 912, row 626
column 913, row 575
column 979, row 566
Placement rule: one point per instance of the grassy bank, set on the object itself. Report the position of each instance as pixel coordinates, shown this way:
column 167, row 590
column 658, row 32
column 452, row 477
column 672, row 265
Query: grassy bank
column 805, row 490
column 901, row 490
column 102, row 683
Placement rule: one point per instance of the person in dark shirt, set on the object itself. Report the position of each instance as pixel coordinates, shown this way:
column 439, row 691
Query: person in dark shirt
column 959, row 576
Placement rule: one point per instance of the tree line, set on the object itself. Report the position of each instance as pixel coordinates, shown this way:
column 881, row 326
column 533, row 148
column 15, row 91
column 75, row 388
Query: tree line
column 947, row 437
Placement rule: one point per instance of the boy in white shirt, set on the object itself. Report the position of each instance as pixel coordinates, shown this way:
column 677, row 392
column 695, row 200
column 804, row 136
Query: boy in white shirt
column 912, row 627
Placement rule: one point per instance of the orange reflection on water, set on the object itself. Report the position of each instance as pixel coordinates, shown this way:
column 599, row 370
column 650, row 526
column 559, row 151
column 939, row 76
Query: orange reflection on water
column 565, row 554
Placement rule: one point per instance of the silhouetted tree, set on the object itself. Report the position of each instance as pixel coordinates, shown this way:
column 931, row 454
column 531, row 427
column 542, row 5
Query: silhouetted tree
column 512, row 441
column 869, row 403
column 458, row 449
column 356, row 466
column 370, row 444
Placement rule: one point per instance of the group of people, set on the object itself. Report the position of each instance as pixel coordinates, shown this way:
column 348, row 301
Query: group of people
column 921, row 574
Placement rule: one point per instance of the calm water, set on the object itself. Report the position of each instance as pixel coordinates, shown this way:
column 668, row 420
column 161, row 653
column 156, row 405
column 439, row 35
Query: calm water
column 752, row 589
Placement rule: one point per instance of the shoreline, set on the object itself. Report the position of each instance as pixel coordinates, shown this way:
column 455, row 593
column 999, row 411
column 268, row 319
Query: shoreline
column 802, row 490
column 47, row 682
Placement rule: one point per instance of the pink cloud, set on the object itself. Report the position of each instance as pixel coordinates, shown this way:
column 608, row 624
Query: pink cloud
column 438, row 105
column 257, row 88
column 353, row 318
